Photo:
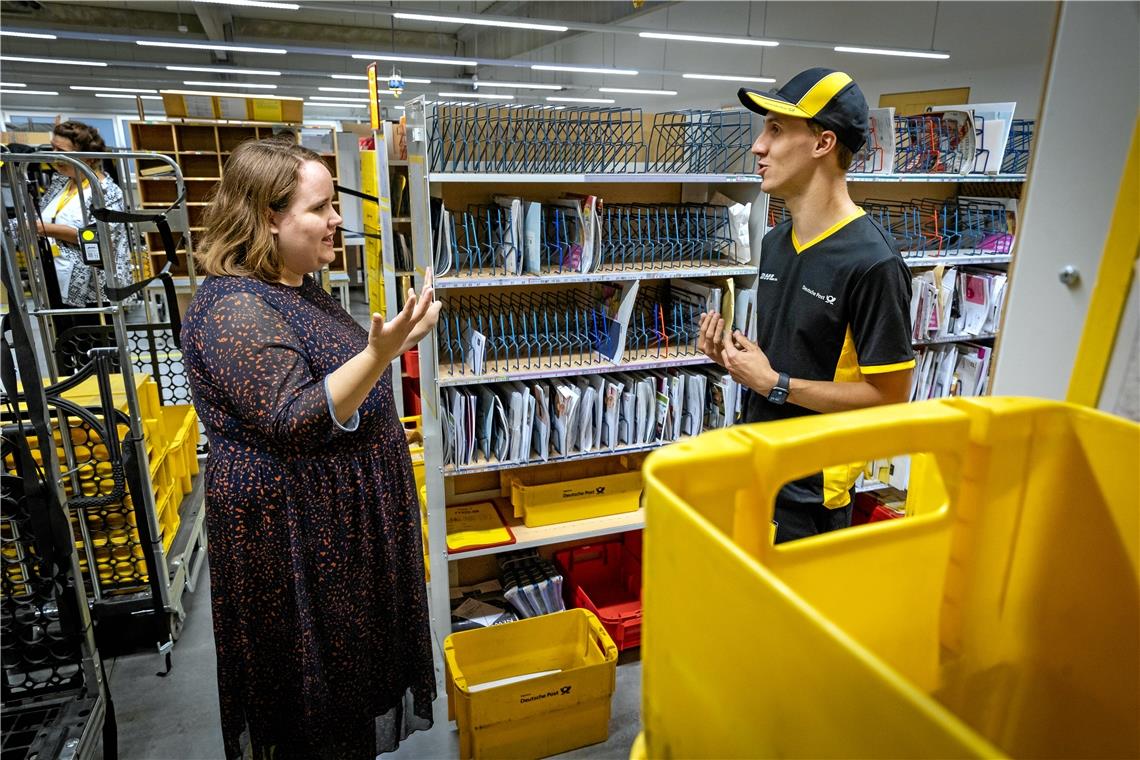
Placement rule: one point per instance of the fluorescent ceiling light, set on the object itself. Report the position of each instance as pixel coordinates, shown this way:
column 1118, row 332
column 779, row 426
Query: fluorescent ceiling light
column 114, row 89
column 232, row 84
column 224, row 70
column 335, row 105
column 12, row 84
column 583, row 69
column 363, row 78
column 254, row 4
column 259, row 95
column 634, row 91
column 211, row 46
column 480, row 21
column 356, row 90
column 339, row 99
column 60, row 61
column 728, row 78
column 899, row 53
column 28, row 92
column 708, row 38
column 127, row 97
column 476, row 95
column 33, row 35
column 521, row 85
column 398, row 108
column 557, row 99
column 413, row 59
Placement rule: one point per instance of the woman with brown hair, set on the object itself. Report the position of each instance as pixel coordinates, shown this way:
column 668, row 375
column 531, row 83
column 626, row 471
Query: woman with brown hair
column 61, row 217
column 316, row 566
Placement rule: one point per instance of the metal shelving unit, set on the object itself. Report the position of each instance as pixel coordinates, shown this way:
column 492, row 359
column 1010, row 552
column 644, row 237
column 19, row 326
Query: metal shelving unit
column 955, row 339
column 446, row 381
column 612, row 179
column 939, row 177
column 914, row 259
column 441, row 481
column 602, row 275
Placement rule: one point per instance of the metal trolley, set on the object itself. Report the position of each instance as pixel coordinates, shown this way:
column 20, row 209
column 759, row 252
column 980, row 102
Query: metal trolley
column 132, row 573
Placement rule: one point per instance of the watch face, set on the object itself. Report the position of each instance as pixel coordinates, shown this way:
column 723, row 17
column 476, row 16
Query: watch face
column 778, row 396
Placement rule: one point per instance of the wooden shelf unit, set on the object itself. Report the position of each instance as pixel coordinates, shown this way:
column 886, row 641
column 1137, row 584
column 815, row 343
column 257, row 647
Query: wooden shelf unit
column 201, row 149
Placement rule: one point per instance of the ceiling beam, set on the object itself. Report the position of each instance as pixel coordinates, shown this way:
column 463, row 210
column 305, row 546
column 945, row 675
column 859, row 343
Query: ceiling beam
column 215, row 22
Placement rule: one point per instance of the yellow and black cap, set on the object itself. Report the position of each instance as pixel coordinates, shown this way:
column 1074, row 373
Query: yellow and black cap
column 828, row 97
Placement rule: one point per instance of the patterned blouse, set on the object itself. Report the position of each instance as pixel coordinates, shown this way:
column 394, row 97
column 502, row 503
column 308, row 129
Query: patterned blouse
column 82, row 289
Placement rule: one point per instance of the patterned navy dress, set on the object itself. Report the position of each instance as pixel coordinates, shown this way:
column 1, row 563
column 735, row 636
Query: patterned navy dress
column 316, row 564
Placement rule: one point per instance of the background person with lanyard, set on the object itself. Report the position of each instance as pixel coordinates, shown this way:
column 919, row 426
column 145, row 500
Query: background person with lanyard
column 61, row 217
column 833, row 301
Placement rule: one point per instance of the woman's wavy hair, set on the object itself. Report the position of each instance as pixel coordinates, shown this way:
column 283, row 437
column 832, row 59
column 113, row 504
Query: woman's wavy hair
column 87, row 139
column 260, row 177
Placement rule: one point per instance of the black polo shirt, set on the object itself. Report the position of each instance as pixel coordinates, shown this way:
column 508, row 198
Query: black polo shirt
column 836, row 308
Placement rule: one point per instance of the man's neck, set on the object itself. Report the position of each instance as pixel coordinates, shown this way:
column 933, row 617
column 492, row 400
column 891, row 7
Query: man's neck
column 823, row 202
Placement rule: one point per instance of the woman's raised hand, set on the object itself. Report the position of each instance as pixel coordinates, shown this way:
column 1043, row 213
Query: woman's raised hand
column 387, row 340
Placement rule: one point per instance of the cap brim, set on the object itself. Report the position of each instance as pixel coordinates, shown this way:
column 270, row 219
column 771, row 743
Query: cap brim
column 762, row 103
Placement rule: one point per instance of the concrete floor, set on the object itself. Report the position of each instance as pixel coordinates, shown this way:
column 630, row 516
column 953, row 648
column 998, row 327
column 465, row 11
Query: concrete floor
column 176, row 717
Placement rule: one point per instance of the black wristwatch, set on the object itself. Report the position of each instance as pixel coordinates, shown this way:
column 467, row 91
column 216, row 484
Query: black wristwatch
column 779, row 392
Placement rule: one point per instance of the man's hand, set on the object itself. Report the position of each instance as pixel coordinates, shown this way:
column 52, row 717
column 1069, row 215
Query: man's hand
column 710, row 337
column 748, row 364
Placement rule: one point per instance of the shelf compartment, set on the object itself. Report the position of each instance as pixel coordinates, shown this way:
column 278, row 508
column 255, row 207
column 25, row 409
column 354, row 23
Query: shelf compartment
column 229, row 136
column 156, row 137
column 200, row 166
column 192, row 137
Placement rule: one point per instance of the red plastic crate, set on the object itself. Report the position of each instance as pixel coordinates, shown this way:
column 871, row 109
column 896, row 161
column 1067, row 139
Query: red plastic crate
column 605, row 579
column 868, row 509
column 410, row 363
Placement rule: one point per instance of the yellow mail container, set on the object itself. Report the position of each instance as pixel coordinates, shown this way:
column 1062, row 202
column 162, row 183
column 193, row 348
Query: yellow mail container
column 1002, row 618
column 533, row 688
column 576, row 499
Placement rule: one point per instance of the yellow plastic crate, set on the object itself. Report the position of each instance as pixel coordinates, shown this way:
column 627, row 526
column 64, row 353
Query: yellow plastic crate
column 422, row 490
column 416, row 450
column 576, row 499
column 566, row 662
column 180, row 423
column 1001, row 619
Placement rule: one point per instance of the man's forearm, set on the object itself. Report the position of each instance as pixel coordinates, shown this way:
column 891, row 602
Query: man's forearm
column 825, row 396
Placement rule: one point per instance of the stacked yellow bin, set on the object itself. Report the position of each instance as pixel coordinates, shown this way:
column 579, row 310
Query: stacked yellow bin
column 999, row 619
column 170, row 438
column 373, row 263
column 413, row 427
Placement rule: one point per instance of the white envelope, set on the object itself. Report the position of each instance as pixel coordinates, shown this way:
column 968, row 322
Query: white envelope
column 694, row 415
column 627, row 417
column 586, row 418
column 611, row 412
column 676, row 404
column 532, row 238
column 646, row 411
column 540, row 437
column 599, row 384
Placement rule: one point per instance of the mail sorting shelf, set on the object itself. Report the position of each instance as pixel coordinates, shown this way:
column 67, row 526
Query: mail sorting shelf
column 906, row 187
column 458, row 191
